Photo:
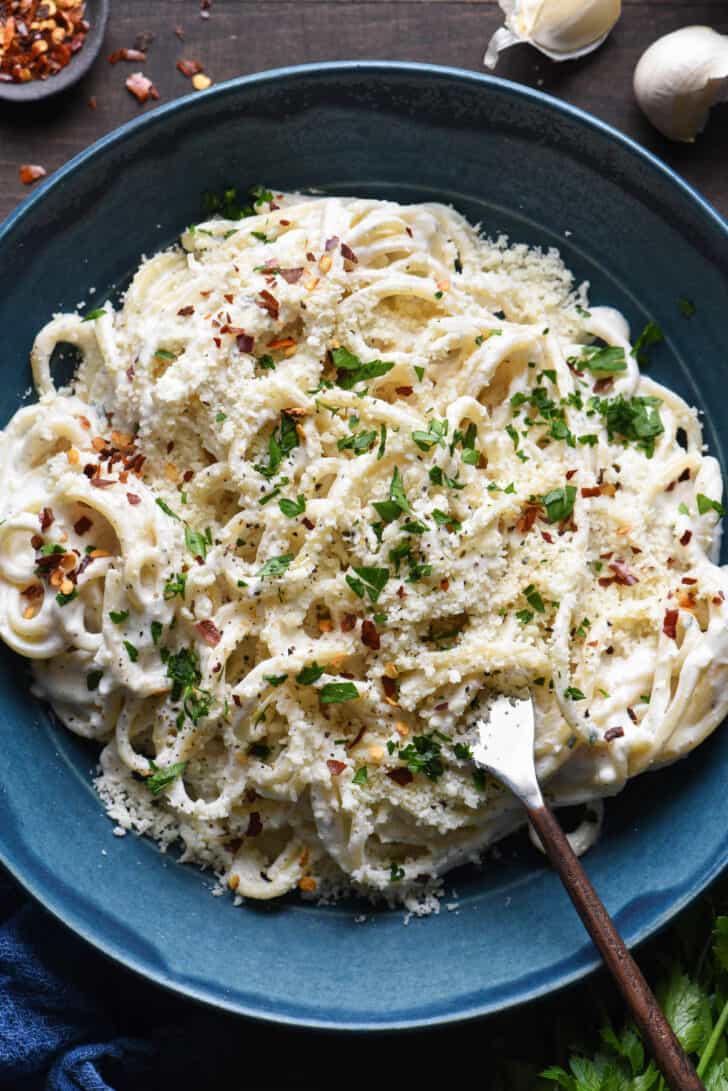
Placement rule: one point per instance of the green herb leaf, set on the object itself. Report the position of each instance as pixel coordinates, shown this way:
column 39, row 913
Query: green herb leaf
column 166, row 508
column 132, row 651
column 534, row 599
column 175, row 585
column 292, row 508
column 559, row 503
column 687, row 307
column 161, row 778
column 651, row 335
column 93, row 315
column 396, row 491
column 373, row 578
column 63, row 600
column 118, row 616
column 633, row 419
column 352, row 371
column 335, row 693
column 276, row 566
column 156, row 630
column 422, row 755
column 196, row 543
column 396, row 873
column 382, row 441
column 361, row 776
column 601, row 361
column 308, row 675
column 275, row 679
column 705, row 504
column 574, row 694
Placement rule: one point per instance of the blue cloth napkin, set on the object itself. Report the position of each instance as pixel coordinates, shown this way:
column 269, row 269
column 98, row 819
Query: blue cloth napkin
column 71, row 1020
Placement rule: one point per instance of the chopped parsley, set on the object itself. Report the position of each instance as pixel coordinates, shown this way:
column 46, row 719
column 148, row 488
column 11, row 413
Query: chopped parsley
column 534, row 599
column 132, row 651
column 371, row 581
column 183, row 670
column 687, row 307
column 335, row 693
column 651, row 335
column 118, row 616
column 308, row 675
column 266, row 362
column 261, row 236
column 292, row 508
column 175, row 585
column 281, row 443
column 275, row 566
column 156, row 630
column 396, row 873
column 462, row 751
column 422, row 755
column 635, row 420
column 165, row 354
column 608, row 360
column 396, row 491
column 382, row 441
column 275, row 679
column 161, row 778
column 359, row 443
column 220, row 416
column 559, row 503
column 574, row 694
column 524, row 616
column 166, row 508
column 705, row 504
column 63, row 600
column 350, row 369
column 434, row 435
column 419, row 372
column 93, row 315
column 361, row 776
column 196, row 543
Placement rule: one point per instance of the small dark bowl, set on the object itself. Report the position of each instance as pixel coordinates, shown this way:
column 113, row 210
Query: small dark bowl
column 97, row 12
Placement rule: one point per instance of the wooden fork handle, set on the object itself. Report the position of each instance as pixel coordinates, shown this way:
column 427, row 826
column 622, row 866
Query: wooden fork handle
column 656, row 1031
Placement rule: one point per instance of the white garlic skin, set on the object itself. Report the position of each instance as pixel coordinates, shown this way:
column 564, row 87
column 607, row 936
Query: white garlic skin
column 561, row 29
column 680, row 77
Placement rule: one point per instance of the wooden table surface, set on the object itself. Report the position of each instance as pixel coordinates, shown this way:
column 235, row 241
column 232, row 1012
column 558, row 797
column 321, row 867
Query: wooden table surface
column 242, row 36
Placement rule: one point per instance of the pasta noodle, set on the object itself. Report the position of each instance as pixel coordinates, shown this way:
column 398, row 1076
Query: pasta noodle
column 332, row 474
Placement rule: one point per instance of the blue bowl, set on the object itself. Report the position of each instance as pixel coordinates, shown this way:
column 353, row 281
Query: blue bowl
column 517, row 162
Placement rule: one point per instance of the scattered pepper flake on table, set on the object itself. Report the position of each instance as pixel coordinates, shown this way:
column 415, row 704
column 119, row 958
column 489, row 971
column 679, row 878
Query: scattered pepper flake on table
column 31, row 172
column 141, row 87
column 38, row 38
column 125, row 54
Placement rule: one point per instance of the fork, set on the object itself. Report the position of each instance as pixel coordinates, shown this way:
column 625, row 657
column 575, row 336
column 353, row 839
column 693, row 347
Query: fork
column 505, row 750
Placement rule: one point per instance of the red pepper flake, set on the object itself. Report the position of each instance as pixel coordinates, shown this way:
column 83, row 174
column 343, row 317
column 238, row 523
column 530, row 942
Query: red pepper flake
column 348, row 253
column 547, row 537
column 141, row 87
column 688, row 580
column 46, row 518
column 102, row 482
column 632, row 715
column 245, row 342
column 92, row 103
column 189, row 67
column 127, row 55
column 717, row 599
column 348, row 622
column 444, row 584
column 269, row 303
column 669, row 624
column 82, row 525
column 130, row 374
column 369, row 635
column 570, row 473
column 685, row 475
column 528, row 518
column 404, row 391
column 36, row 541
column 574, row 370
column 309, row 525
column 409, row 232
column 613, row 733
column 593, row 490
column 622, row 574
column 180, row 32
column 185, row 312
column 188, row 475
column 602, row 384
column 218, row 342
column 133, row 498
column 686, row 537
column 205, row 6
column 255, row 826
column 389, row 685
column 229, row 298
column 33, row 591
column 401, row 776
column 331, row 243
column 31, row 172
column 336, row 768
column 292, row 275
column 209, row 632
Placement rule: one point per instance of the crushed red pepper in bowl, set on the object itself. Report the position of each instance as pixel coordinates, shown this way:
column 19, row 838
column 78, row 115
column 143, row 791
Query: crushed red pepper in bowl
column 38, row 38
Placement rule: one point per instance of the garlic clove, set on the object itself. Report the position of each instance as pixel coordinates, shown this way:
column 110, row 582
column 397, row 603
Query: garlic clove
column 680, row 77
column 561, row 29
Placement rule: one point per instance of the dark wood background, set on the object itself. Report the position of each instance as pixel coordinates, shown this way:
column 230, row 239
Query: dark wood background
column 239, row 37
column 242, row 36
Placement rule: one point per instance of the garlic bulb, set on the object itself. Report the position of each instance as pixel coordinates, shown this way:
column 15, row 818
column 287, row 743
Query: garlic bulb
column 680, row 77
column 562, row 29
